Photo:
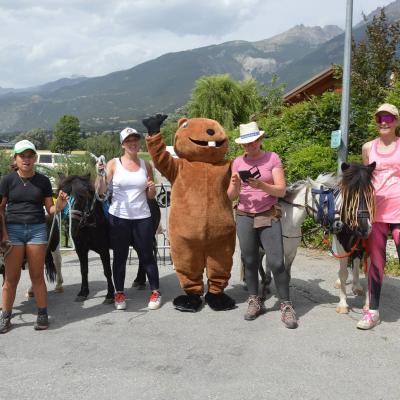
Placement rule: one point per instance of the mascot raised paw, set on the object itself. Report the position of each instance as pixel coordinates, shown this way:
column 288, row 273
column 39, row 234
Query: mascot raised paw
column 201, row 224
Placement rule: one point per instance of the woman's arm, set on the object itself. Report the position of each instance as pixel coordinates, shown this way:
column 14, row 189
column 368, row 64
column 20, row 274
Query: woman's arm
column 61, row 202
column 102, row 180
column 151, row 186
column 277, row 189
column 366, row 148
column 234, row 187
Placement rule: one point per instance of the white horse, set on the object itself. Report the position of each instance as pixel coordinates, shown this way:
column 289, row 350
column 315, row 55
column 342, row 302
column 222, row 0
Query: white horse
column 296, row 205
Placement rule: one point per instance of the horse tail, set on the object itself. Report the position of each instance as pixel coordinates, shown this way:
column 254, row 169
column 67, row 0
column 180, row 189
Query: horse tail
column 51, row 272
column 54, row 239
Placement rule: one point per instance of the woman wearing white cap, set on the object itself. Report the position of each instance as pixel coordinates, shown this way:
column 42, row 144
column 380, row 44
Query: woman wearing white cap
column 258, row 180
column 24, row 192
column 130, row 218
column 385, row 151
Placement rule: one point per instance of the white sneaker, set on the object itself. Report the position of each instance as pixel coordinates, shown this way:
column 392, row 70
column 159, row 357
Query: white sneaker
column 155, row 300
column 368, row 320
column 119, row 301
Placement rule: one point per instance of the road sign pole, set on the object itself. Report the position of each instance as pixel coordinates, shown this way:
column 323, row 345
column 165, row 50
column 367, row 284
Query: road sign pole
column 345, row 107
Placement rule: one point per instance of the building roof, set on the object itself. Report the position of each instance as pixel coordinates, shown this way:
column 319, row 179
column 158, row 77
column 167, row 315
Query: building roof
column 316, row 86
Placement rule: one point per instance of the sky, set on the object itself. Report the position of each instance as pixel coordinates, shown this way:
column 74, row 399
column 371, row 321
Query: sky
column 45, row 40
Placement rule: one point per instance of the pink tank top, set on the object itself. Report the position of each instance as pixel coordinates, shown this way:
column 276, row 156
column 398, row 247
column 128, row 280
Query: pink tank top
column 386, row 183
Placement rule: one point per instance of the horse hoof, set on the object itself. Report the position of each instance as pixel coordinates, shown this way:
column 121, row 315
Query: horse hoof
column 358, row 291
column 342, row 310
column 59, row 289
column 108, row 301
column 80, row 299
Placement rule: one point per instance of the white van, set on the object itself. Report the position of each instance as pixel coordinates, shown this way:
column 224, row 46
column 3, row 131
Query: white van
column 49, row 159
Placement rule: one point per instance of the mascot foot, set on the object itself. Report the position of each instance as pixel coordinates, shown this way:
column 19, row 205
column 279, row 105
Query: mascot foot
column 220, row 301
column 188, row 303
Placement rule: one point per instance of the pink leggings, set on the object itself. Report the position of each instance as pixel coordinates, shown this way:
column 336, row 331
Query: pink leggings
column 377, row 246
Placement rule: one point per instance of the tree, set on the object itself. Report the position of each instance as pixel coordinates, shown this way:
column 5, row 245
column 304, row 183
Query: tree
column 104, row 144
column 66, row 134
column 374, row 62
column 222, row 98
column 37, row 136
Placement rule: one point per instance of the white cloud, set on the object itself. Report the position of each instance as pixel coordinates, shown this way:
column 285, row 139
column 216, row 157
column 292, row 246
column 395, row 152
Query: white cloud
column 44, row 40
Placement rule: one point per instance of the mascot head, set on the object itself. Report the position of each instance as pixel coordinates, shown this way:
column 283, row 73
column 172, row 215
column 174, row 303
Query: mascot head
column 200, row 139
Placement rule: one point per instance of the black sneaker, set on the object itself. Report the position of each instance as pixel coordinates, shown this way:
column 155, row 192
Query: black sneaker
column 42, row 322
column 5, row 324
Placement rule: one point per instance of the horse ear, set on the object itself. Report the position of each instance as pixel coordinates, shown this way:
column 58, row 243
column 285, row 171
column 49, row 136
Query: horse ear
column 372, row 165
column 344, row 166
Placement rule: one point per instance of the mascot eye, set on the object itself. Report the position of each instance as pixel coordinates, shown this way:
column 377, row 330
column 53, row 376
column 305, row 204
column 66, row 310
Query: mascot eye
column 185, row 125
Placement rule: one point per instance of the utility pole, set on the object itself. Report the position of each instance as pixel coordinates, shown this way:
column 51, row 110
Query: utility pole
column 345, row 106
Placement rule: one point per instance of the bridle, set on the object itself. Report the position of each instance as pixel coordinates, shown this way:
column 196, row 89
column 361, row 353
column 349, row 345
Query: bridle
column 82, row 216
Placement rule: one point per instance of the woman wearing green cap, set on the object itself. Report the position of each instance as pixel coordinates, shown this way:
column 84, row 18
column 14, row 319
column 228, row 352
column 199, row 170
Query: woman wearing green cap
column 24, row 192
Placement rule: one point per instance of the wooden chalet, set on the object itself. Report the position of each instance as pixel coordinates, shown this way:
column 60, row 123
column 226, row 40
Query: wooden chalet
column 317, row 85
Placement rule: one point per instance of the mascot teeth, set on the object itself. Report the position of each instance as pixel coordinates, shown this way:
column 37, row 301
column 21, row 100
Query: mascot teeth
column 212, row 144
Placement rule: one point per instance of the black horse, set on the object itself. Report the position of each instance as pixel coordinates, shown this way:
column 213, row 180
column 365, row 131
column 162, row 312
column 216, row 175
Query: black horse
column 89, row 230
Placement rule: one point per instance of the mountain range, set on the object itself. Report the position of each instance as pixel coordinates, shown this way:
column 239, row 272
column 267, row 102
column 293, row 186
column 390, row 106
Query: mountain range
column 165, row 83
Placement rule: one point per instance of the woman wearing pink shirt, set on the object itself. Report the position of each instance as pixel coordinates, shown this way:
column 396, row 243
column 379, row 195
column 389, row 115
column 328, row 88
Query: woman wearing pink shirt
column 258, row 180
column 385, row 151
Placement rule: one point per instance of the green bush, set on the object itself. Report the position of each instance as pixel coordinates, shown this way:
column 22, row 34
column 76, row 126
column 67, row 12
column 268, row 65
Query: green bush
column 310, row 161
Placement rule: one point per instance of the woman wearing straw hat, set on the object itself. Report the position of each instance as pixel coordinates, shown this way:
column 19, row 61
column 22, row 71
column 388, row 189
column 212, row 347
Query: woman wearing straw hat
column 385, row 151
column 258, row 180
column 24, row 192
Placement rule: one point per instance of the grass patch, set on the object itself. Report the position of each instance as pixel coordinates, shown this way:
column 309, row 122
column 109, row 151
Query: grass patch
column 392, row 266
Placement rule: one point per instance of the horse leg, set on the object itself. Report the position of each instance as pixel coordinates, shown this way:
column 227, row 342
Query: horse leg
column 343, row 307
column 57, row 262
column 83, row 259
column 105, row 259
column 356, row 287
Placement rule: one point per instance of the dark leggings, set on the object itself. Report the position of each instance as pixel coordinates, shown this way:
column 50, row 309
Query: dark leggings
column 270, row 238
column 377, row 246
column 138, row 233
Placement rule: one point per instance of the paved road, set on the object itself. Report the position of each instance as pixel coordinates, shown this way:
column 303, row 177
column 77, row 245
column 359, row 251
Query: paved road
column 95, row 352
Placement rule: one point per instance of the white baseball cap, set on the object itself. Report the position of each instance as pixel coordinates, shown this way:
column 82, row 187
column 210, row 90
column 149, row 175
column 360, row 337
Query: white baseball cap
column 23, row 145
column 128, row 132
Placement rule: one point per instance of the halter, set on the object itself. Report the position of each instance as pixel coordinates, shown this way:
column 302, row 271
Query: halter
column 326, row 213
column 80, row 216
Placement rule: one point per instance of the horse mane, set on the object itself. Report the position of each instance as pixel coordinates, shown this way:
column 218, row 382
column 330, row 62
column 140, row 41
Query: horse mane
column 79, row 186
column 356, row 182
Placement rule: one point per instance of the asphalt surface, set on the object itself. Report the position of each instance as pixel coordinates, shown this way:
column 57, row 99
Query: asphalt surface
column 92, row 351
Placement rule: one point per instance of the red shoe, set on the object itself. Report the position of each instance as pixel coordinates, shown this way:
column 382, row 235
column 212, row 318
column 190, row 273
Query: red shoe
column 119, row 301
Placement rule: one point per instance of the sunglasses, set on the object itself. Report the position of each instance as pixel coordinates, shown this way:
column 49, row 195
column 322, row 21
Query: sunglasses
column 386, row 118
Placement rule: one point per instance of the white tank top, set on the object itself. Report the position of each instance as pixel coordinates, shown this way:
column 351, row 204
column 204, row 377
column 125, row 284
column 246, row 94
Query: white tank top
column 129, row 200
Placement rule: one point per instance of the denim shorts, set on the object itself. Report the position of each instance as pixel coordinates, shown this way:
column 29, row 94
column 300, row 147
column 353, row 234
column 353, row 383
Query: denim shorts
column 21, row 234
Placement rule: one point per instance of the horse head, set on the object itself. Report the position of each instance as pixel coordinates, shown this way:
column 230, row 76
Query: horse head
column 358, row 200
column 81, row 192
